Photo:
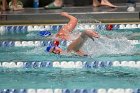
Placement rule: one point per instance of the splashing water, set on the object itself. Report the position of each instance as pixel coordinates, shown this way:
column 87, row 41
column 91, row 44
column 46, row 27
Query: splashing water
column 105, row 45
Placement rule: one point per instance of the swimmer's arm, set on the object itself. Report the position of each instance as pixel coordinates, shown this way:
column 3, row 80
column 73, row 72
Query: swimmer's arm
column 71, row 24
column 65, row 30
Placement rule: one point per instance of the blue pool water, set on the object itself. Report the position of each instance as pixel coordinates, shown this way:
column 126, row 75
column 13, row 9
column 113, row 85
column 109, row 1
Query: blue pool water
column 112, row 46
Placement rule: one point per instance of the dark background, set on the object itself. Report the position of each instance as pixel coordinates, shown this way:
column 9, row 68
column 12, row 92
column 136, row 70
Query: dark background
column 29, row 3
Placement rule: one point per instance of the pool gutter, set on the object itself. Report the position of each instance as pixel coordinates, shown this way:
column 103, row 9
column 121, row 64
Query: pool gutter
column 84, row 14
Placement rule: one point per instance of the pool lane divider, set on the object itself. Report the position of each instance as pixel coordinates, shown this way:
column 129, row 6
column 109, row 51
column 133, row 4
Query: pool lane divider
column 42, row 43
column 100, row 90
column 23, row 29
column 70, row 64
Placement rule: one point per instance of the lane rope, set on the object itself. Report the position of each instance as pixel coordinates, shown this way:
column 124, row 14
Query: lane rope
column 100, row 90
column 71, row 64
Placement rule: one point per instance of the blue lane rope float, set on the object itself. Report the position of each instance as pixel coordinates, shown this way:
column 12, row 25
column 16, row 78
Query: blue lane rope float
column 37, row 65
column 13, row 90
column 11, row 30
column 56, row 27
column 44, row 33
column 93, row 90
column 7, row 43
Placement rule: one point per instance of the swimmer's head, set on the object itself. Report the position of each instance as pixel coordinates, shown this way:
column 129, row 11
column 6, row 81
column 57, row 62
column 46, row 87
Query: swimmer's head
column 53, row 49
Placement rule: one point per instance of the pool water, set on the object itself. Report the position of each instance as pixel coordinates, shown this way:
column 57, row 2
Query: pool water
column 72, row 78
column 112, row 46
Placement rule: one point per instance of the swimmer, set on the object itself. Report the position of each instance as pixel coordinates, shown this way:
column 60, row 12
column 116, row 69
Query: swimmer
column 76, row 45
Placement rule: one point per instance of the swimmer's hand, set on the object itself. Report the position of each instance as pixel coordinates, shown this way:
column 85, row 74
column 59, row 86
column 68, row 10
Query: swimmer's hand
column 64, row 13
column 92, row 34
column 81, row 53
column 95, row 34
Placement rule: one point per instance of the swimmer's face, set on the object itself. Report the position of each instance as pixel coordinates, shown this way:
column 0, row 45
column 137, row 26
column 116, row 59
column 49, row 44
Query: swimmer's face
column 56, row 50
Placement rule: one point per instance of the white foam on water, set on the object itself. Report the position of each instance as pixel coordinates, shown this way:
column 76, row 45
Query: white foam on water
column 36, row 50
column 106, row 45
column 32, row 35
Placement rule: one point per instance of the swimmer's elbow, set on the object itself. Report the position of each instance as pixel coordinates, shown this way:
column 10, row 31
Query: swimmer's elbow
column 74, row 19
